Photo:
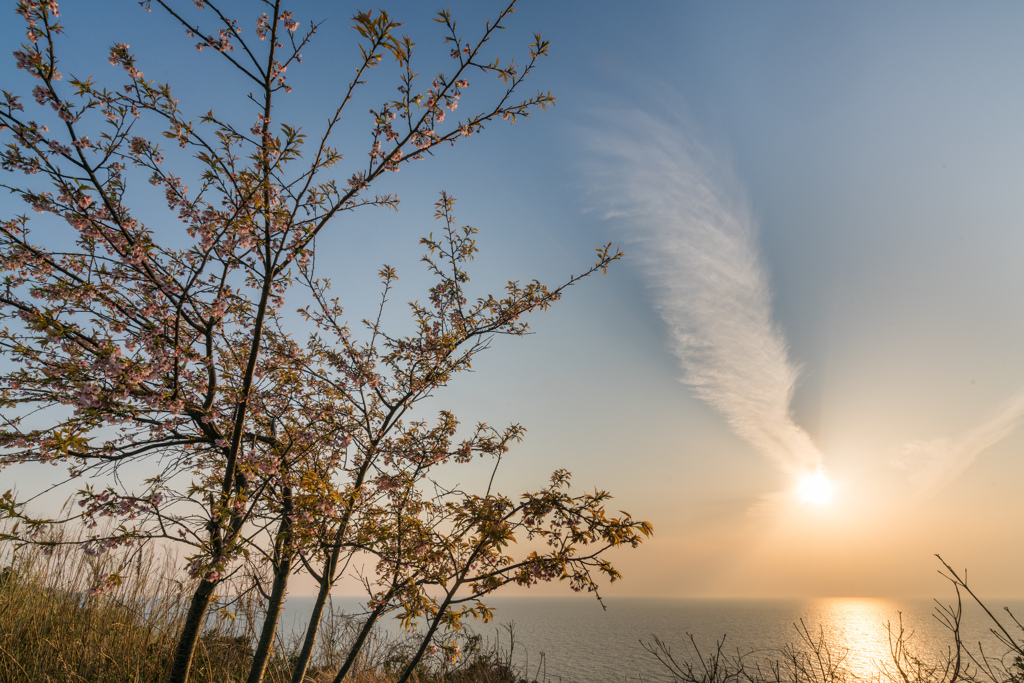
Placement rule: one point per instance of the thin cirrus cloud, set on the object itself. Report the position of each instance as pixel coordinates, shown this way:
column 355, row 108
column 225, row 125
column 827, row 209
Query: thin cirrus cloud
column 696, row 241
column 693, row 234
column 933, row 464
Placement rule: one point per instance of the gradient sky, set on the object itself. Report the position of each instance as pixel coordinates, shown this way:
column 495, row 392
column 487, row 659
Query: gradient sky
column 821, row 209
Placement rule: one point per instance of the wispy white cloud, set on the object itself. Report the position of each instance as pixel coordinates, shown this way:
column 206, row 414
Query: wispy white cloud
column 934, row 464
column 685, row 220
column 692, row 230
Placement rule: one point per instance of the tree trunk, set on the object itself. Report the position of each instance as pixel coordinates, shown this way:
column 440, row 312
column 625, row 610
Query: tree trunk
column 190, row 631
column 358, row 645
column 281, row 574
column 441, row 610
column 430, row 635
column 327, row 580
column 314, row 620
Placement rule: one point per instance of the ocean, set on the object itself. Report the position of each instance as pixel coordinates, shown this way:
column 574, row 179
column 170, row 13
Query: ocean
column 573, row 639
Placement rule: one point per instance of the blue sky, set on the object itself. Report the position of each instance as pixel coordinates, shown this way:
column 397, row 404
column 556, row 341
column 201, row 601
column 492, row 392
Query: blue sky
column 870, row 157
column 875, row 156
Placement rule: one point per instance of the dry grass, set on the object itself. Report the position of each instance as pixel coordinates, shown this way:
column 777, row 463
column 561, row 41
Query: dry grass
column 52, row 629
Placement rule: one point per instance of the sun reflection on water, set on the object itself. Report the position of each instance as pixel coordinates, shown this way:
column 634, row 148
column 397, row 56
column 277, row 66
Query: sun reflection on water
column 856, row 627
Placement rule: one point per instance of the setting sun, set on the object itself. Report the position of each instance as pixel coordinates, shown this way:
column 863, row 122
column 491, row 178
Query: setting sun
column 814, row 488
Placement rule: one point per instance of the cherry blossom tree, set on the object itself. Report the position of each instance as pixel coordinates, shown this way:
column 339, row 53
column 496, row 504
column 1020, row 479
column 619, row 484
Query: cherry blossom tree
column 204, row 347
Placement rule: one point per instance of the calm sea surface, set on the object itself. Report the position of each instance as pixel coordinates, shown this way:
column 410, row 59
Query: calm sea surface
column 573, row 639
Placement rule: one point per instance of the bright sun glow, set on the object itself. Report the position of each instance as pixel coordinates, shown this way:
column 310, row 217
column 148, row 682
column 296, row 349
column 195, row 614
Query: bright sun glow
column 814, row 488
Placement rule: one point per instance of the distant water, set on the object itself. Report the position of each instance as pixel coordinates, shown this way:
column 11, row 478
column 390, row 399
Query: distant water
column 573, row 639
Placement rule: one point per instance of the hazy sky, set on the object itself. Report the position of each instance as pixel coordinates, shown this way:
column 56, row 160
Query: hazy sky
column 821, row 209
